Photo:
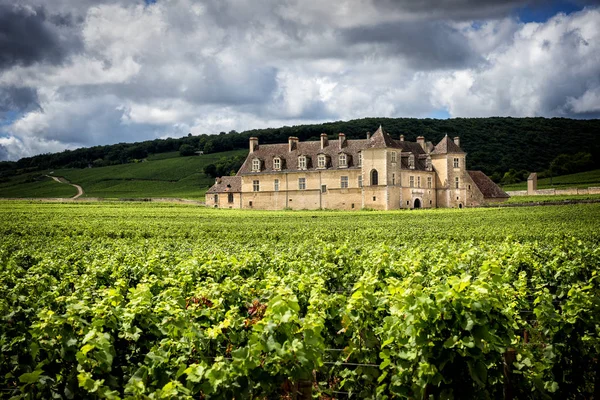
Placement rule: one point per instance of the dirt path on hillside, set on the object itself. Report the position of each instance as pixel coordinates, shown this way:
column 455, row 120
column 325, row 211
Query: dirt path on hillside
column 63, row 180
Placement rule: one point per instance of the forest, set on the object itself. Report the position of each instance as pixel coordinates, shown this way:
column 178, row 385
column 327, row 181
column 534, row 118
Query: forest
column 494, row 145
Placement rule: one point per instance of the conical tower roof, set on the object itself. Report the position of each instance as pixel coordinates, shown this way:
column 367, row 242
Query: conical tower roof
column 381, row 139
column 445, row 146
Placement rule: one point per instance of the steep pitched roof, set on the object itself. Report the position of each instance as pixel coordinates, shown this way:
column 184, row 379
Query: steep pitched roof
column 487, row 187
column 445, row 146
column 227, row 184
column 381, row 139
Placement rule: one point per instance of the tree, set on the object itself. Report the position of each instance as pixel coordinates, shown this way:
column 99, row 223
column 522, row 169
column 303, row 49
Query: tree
column 186, row 150
column 211, row 170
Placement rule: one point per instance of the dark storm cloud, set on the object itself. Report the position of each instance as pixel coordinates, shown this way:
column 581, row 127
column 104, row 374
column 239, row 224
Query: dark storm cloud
column 28, row 35
column 14, row 98
column 424, row 45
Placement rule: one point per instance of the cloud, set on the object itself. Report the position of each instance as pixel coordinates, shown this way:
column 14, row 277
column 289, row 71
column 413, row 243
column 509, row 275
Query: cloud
column 549, row 69
column 3, row 153
column 13, row 98
column 28, row 35
column 113, row 71
column 422, row 45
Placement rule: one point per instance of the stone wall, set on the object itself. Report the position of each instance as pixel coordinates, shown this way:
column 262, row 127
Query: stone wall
column 555, row 192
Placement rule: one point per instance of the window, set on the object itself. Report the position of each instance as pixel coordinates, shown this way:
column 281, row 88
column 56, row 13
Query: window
column 411, row 181
column 301, row 183
column 374, row 177
column 322, row 161
column 276, row 185
column 456, row 182
column 393, row 179
column 456, row 162
column 411, row 161
column 418, row 181
column 230, row 197
column 393, row 156
column 343, row 160
column 216, row 198
column 323, row 188
column 360, row 158
column 250, row 203
column 256, row 165
column 277, row 163
column 428, row 164
column 429, row 182
column 469, row 187
column 255, row 186
column 302, row 162
column 360, row 181
column 344, row 182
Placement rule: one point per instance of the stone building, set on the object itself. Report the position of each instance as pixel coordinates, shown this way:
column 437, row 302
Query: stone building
column 378, row 173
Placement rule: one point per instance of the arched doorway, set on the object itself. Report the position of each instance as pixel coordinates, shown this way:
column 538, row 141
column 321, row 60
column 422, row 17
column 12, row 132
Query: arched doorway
column 417, row 203
column 460, row 205
column 374, row 177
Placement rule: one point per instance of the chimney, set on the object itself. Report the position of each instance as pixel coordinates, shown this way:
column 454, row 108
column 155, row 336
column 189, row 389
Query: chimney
column 457, row 141
column 323, row 140
column 368, row 135
column 342, row 138
column 253, row 144
column 421, row 141
column 293, row 143
column 217, row 180
column 402, row 138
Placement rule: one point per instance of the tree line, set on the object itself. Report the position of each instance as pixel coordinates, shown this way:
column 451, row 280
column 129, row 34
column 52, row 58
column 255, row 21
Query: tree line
column 494, row 145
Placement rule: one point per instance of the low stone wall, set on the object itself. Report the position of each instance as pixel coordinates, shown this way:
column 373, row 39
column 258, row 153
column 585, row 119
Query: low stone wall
column 557, row 192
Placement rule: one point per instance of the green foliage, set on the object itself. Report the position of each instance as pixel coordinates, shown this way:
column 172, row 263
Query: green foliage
column 186, row 150
column 163, row 301
column 565, row 164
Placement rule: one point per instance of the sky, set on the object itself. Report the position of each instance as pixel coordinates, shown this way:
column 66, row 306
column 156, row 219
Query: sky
column 78, row 73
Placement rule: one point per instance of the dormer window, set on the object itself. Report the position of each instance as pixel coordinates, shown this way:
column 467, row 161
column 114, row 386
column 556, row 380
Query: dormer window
column 360, row 158
column 277, row 164
column 256, row 165
column 343, row 160
column 411, row 161
column 393, row 156
column 428, row 163
column 322, row 161
column 302, row 162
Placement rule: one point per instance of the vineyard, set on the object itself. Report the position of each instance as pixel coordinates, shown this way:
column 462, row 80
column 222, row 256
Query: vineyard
column 155, row 301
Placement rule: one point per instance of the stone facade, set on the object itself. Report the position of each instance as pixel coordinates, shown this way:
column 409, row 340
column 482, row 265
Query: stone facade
column 377, row 173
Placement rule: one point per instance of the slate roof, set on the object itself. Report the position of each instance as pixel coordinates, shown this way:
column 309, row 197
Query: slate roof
column 447, row 145
column 228, row 184
column 487, row 187
column 289, row 159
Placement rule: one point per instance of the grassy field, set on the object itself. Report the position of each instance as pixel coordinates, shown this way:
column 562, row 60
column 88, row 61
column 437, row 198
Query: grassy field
column 142, row 300
column 579, row 180
column 162, row 175
column 34, row 185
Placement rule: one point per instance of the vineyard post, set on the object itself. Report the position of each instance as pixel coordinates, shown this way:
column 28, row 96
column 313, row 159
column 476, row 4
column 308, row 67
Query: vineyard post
column 509, row 358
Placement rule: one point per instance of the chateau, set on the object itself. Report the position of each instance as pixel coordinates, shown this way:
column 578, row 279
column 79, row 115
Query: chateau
column 378, row 172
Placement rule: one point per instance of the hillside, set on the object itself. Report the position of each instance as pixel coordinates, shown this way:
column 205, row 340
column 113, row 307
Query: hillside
column 164, row 175
column 494, row 145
